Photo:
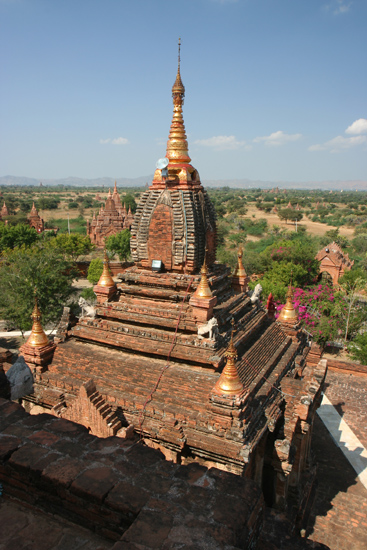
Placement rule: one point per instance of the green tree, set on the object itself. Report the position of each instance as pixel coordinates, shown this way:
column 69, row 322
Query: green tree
column 351, row 285
column 71, row 246
column 277, row 279
column 25, row 269
column 358, row 348
column 12, row 236
column 333, row 235
column 95, row 271
column 129, row 200
column 119, row 244
column 290, row 214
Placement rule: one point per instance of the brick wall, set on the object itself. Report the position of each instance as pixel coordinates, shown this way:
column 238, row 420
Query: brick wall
column 121, row 489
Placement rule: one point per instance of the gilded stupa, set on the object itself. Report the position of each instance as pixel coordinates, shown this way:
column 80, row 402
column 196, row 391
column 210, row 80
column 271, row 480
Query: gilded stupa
column 182, row 217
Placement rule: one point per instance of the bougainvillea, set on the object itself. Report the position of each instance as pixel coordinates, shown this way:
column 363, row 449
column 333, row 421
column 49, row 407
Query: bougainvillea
column 321, row 311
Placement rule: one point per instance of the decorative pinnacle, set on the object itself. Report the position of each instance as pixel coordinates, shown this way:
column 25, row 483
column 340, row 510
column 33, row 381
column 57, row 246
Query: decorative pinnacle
column 203, row 290
column 177, row 146
column 288, row 313
column 240, row 270
column 37, row 338
column 179, row 53
column 105, row 279
column 231, row 351
column 229, row 382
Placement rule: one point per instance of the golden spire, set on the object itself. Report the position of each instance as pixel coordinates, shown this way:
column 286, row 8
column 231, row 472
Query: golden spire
column 229, row 381
column 239, row 270
column 203, row 290
column 105, row 279
column 177, row 146
column 288, row 313
column 37, row 337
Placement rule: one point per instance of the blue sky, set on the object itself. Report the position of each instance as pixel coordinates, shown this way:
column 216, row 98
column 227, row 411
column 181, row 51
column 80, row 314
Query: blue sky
column 275, row 89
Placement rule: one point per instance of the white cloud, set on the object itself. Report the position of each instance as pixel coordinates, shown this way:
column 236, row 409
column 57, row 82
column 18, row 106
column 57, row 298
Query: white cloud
column 339, row 143
column 115, row 141
column 358, row 127
column 277, row 138
column 338, row 7
column 222, row 143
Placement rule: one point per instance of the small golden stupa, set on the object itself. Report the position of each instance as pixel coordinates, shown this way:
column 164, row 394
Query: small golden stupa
column 229, row 382
column 239, row 270
column 288, row 313
column 203, row 291
column 37, row 337
column 105, row 279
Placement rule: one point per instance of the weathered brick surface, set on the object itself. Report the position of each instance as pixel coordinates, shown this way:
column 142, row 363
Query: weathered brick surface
column 122, row 489
column 348, row 394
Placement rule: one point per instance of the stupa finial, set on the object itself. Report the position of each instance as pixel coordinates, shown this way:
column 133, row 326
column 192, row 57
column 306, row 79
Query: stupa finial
column 177, row 146
column 229, row 382
column 37, row 337
column 239, row 270
column 288, row 313
column 105, row 279
column 203, row 289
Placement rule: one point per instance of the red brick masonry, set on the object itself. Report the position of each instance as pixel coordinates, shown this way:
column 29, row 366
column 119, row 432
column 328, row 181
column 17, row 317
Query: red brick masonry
column 121, row 489
column 127, row 492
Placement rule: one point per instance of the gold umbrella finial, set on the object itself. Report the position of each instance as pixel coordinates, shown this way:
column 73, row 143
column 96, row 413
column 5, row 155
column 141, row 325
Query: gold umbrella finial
column 177, row 146
column 229, row 382
column 240, row 270
column 105, row 279
column 288, row 313
column 37, row 337
column 203, row 290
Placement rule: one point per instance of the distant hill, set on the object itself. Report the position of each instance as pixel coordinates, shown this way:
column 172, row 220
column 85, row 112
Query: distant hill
column 77, row 182
column 351, row 185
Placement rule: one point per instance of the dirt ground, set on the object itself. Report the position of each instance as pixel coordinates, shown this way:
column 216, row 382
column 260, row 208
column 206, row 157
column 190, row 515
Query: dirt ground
column 314, row 228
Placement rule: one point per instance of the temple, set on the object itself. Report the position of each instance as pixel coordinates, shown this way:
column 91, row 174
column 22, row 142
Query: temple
column 333, row 263
column 181, row 354
column 4, row 211
column 111, row 219
column 35, row 220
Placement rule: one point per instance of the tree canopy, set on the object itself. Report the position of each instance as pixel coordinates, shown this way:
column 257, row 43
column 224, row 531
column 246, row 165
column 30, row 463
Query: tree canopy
column 12, row 236
column 71, row 246
column 25, row 269
column 119, row 244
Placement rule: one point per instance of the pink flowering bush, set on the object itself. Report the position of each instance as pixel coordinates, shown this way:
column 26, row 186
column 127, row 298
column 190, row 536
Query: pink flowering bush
column 321, row 312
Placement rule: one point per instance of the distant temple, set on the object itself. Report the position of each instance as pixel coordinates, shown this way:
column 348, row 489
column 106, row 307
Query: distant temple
column 111, row 219
column 35, row 220
column 333, row 262
column 4, row 211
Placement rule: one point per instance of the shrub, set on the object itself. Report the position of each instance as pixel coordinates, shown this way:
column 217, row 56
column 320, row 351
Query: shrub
column 95, row 271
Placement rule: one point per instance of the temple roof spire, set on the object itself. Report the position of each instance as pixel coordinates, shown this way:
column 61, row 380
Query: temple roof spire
column 38, row 337
column 229, row 382
column 239, row 270
column 105, row 279
column 288, row 313
column 177, row 146
column 203, row 290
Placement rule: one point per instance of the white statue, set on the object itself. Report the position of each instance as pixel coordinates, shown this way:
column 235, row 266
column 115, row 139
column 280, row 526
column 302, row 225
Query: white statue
column 87, row 309
column 211, row 327
column 256, row 293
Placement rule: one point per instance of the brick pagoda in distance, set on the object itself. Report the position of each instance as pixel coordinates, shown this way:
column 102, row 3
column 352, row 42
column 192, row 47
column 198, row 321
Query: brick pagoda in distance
column 182, row 355
column 111, row 219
